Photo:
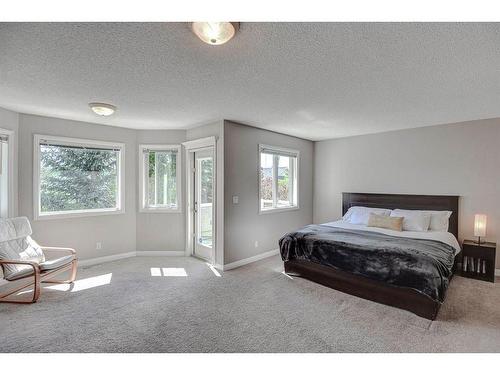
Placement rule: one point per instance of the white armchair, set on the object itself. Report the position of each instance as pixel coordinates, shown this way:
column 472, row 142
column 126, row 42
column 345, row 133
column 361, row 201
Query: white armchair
column 24, row 263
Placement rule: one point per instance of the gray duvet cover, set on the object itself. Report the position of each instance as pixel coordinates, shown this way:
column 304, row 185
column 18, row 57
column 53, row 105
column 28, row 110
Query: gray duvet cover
column 423, row 265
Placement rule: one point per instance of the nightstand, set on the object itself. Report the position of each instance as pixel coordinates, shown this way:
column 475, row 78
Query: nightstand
column 478, row 261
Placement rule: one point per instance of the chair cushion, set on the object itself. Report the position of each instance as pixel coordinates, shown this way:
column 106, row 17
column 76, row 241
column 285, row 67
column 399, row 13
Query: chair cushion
column 16, row 244
column 19, row 274
column 48, row 265
column 56, row 263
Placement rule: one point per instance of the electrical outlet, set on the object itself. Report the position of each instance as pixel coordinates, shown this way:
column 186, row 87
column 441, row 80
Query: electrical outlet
column 256, row 244
column 236, row 199
column 98, row 245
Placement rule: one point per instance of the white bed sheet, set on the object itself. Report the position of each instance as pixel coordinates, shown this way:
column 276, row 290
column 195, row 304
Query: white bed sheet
column 446, row 237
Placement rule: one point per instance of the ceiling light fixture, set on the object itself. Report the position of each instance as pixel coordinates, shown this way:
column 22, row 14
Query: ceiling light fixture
column 215, row 33
column 102, row 109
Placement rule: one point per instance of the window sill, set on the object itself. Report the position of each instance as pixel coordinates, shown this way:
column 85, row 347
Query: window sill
column 160, row 210
column 277, row 210
column 77, row 214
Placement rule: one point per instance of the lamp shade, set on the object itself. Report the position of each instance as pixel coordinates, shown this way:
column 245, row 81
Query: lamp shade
column 215, row 33
column 480, row 225
column 102, row 109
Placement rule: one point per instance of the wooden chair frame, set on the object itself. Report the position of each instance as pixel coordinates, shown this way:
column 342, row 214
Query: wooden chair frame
column 38, row 277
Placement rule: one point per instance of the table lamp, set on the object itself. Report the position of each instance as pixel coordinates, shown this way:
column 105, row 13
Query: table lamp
column 479, row 227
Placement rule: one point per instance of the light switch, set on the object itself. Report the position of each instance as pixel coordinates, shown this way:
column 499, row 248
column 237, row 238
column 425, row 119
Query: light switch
column 235, row 199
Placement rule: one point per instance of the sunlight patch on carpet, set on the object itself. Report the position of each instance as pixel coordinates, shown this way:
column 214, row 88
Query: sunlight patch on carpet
column 78, row 285
column 214, row 270
column 168, row 272
column 174, row 272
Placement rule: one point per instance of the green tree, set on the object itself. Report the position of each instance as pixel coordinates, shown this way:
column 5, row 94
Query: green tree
column 162, row 178
column 207, row 181
column 283, row 185
column 76, row 179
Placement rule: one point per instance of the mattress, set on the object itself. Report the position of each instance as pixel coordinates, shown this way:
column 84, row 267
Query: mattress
column 423, row 262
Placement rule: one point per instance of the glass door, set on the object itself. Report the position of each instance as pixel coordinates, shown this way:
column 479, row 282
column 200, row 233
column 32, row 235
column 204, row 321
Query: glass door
column 203, row 204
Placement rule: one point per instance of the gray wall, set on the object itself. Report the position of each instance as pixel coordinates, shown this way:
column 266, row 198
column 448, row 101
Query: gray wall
column 203, row 131
column 120, row 233
column 161, row 231
column 243, row 223
column 116, row 232
column 456, row 159
column 10, row 120
column 459, row 159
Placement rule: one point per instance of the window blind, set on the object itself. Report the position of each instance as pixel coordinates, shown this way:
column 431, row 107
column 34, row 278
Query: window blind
column 78, row 147
column 272, row 151
column 147, row 150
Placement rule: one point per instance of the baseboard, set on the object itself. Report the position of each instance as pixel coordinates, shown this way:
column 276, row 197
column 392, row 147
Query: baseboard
column 109, row 258
column 180, row 253
column 131, row 254
column 255, row 258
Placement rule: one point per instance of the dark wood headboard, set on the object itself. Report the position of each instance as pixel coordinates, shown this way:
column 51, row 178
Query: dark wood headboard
column 406, row 202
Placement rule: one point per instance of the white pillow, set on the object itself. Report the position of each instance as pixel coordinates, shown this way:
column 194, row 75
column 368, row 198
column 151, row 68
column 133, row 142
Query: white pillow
column 360, row 215
column 413, row 220
column 440, row 220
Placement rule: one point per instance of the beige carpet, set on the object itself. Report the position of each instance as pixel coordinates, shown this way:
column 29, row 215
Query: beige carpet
column 121, row 307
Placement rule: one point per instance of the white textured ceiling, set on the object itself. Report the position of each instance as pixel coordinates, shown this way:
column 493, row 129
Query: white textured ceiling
column 312, row 80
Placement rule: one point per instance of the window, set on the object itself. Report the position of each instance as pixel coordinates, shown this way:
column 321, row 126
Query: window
column 160, row 178
column 77, row 177
column 278, row 176
column 6, row 168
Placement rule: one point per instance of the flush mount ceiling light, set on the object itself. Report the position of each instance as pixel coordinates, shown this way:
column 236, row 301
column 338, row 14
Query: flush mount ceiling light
column 102, row 109
column 215, row 33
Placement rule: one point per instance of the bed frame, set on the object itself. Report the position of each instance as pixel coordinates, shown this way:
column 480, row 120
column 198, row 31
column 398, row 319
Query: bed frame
column 403, row 298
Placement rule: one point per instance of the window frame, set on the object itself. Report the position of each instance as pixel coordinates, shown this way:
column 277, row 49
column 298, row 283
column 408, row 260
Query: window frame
column 11, row 172
column 143, row 185
column 120, row 201
column 281, row 151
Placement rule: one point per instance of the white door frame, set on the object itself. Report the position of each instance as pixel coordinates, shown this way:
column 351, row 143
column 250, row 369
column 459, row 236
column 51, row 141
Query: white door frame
column 201, row 250
column 11, row 174
column 190, row 147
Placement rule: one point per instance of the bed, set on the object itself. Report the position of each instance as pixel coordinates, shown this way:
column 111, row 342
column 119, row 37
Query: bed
column 408, row 270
